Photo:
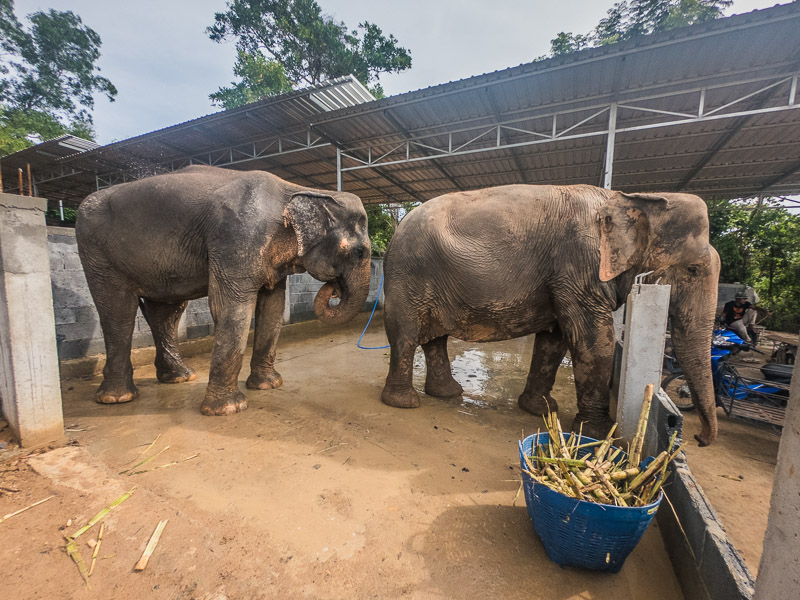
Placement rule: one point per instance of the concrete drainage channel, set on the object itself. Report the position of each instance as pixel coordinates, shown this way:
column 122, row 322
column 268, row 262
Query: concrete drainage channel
column 706, row 563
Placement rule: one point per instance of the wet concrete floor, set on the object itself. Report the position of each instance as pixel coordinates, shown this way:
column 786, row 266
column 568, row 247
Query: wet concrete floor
column 318, row 490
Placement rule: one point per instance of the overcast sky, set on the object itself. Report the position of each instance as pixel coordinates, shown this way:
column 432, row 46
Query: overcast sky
column 163, row 64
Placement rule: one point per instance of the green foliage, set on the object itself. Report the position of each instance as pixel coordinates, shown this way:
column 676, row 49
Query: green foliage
column 632, row 18
column 260, row 77
column 310, row 46
column 17, row 126
column 70, row 215
column 382, row 221
column 759, row 244
column 49, row 76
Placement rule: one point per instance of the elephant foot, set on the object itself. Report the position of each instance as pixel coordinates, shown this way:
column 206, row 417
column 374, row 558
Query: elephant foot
column 705, row 437
column 443, row 387
column 400, row 398
column 537, row 404
column 592, row 427
column 264, row 381
column 223, row 402
column 177, row 374
column 111, row 394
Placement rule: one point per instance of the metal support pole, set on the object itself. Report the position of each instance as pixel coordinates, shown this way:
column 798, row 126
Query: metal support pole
column 339, row 169
column 61, row 209
column 793, row 91
column 612, row 134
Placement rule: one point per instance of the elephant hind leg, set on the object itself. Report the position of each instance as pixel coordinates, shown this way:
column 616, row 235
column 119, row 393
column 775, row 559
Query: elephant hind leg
column 439, row 379
column 163, row 319
column 116, row 303
column 549, row 349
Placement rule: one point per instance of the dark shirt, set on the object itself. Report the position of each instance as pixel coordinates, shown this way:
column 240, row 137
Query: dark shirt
column 731, row 312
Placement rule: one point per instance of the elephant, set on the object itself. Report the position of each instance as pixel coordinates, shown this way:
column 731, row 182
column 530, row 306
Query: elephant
column 509, row 261
column 233, row 236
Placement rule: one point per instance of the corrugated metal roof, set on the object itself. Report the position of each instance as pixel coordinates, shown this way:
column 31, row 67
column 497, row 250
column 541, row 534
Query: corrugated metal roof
column 705, row 109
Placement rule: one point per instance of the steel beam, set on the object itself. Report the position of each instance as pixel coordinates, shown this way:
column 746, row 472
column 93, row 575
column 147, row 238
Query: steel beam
column 612, row 133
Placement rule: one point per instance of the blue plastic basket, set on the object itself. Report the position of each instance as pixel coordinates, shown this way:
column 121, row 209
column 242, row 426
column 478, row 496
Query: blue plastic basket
column 580, row 533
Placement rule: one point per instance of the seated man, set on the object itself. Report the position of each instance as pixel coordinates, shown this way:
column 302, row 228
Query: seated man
column 738, row 315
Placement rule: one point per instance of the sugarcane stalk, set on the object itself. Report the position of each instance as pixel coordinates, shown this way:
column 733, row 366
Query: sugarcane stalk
column 151, row 546
column 601, row 450
column 570, row 462
column 591, row 487
column 641, row 429
column 649, row 472
column 96, row 548
column 22, row 510
column 102, row 514
column 144, row 462
column 624, row 474
column 75, row 555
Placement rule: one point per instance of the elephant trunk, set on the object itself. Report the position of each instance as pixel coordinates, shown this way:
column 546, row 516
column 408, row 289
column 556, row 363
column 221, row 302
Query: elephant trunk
column 693, row 351
column 692, row 315
column 351, row 289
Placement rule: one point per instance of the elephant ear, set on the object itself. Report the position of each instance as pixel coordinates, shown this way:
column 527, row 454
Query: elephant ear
column 310, row 215
column 625, row 231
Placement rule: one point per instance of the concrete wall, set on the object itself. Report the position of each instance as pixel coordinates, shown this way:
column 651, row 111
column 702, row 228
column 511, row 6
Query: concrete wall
column 77, row 324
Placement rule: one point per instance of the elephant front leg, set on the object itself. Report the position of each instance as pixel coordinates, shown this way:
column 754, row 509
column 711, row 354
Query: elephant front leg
column 592, row 349
column 269, row 315
column 439, row 379
column 549, row 349
column 231, row 326
column 163, row 319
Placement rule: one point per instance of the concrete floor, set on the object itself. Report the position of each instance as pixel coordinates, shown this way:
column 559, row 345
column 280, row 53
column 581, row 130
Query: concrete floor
column 318, row 490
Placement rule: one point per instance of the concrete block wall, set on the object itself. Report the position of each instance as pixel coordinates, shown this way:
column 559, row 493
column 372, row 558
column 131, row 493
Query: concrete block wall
column 303, row 289
column 77, row 324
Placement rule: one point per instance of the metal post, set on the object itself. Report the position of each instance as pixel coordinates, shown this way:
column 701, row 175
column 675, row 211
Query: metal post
column 793, row 91
column 339, row 169
column 61, row 209
column 612, row 134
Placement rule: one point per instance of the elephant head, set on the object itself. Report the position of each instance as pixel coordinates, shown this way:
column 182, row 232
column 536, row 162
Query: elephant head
column 334, row 247
column 668, row 234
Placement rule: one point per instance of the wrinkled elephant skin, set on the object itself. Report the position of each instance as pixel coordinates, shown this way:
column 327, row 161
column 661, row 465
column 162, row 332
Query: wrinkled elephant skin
column 506, row 262
column 232, row 236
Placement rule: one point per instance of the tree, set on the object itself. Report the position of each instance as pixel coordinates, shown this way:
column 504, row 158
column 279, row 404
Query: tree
column 259, row 78
column 311, row 47
column 629, row 19
column 382, row 220
column 49, row 76
column 759, row 244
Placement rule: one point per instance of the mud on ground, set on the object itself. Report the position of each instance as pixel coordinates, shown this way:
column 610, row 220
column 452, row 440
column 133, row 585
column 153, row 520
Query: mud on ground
column 318, row 490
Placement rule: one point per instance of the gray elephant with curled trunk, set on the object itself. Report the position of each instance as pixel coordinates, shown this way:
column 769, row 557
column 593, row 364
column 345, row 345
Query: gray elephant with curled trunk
column 232, row 236
column 506, row 262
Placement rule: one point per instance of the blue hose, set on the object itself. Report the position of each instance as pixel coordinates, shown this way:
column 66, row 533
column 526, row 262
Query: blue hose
column 358, row 343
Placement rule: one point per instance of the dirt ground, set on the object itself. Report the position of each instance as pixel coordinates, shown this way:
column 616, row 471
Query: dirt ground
column 319, row 490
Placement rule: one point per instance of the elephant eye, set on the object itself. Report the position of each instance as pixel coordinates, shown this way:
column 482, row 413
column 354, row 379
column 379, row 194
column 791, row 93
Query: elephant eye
column 693, row 269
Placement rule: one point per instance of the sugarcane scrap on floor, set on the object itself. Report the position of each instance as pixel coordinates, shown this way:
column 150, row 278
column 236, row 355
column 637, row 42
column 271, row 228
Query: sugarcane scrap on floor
column 596, row 471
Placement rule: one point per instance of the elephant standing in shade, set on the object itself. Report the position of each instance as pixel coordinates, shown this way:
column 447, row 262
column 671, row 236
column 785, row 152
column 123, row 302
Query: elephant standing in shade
column 232, row 236
column 505, row 262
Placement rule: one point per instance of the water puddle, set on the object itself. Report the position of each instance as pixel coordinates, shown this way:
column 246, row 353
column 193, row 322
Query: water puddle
column 493, row 375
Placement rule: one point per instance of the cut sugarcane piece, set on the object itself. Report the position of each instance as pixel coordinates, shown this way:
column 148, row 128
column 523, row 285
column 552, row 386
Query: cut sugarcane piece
column 151, row 546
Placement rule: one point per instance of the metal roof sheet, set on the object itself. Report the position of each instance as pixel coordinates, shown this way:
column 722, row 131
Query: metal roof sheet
column 710, row 109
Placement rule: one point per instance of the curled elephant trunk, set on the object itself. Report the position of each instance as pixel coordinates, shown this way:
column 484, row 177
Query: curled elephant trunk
column 351, row 290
